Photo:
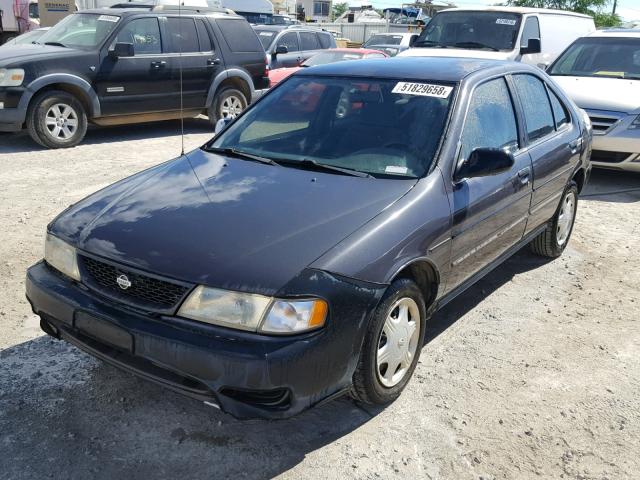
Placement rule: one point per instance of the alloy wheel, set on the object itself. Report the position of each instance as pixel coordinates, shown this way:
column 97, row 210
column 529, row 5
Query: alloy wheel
column 61, row 121
column 565, row 218
column 231, row 107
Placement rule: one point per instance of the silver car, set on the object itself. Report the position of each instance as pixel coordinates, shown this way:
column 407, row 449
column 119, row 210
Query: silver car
column 601, row 73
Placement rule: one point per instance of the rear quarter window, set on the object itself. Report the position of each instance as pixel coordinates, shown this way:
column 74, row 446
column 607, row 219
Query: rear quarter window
column 325, row 40
column 239, row 35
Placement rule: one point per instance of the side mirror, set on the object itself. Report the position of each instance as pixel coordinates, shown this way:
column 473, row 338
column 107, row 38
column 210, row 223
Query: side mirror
column 281, row 49
column 121, row 50
column 221, row 125
column 483, row 162
column 533, row 46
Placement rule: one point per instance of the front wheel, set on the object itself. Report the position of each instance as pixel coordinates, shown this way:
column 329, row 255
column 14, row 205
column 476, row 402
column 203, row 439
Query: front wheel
column 552, row 242
column 56, row 119
column 228, row 103
column 392, row 345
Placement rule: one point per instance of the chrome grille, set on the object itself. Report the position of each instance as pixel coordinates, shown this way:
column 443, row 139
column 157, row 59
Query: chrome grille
column 603, row 121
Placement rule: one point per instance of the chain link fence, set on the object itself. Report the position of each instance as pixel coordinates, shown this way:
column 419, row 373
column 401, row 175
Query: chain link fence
column 360, row 32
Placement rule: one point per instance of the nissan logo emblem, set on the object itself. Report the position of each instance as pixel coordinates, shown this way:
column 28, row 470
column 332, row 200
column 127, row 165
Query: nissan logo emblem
column 123, row 282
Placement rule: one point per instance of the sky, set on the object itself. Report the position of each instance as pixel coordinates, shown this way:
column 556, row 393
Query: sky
column 627, row 9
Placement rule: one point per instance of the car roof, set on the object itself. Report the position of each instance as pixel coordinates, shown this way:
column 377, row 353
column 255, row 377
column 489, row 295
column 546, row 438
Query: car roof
column 617, row 32
column 186, row 11
column 395, row 33
column 521, row 10
column 363, row 51
column 443, row 69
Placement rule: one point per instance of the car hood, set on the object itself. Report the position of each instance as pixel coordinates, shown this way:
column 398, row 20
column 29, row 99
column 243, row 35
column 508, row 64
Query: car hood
column 224, row 222
column 614, row 94
column 31, row 52
column 455, row 52
column 280, row 74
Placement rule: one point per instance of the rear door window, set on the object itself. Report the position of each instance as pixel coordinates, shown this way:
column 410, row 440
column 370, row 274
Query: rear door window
column 535, row 103
column 309, row 41
column 289, row 40
column 184, row 37
column 491, row 121
column 560, row 113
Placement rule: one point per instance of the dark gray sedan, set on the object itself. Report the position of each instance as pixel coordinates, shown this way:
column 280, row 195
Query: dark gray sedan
column 299, row 255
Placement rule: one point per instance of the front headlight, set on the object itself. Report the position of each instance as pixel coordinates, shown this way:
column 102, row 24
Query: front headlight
column 253, row 312
column 61, row 256
column 11, row 77
column 635, row 124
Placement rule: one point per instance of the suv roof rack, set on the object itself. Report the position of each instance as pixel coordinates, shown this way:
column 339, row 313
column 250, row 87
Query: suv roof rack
column 176, row 9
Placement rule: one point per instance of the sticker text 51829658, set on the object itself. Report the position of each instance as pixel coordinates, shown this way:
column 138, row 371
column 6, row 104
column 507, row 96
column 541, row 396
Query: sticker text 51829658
column 422, row 89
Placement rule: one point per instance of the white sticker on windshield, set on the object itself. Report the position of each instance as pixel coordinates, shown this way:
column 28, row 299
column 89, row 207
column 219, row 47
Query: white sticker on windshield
column 266, row 34
column 505, row 21
column 423, row 89
column 395, row 169
column 108, row 18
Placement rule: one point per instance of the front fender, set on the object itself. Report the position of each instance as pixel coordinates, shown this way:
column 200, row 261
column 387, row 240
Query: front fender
column 66, row 79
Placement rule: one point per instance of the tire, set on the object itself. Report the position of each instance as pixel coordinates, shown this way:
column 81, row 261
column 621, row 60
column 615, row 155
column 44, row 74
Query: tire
column 372, row 382
column 554, row 239
column 228, row 103
column 56, row 119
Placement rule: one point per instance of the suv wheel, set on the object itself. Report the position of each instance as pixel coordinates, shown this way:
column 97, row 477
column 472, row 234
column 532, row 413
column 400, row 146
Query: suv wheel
column 552, row 242
column 229, row 103
column 56, row 119
column 392, row 345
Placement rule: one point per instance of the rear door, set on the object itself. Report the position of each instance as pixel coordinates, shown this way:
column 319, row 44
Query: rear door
column 489, row 213
column 554, row 144
column 194, row 58
column 309, row 44
column 138, row 84
column 293, row 56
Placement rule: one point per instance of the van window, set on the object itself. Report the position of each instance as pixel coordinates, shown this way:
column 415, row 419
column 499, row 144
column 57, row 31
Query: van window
column 491, row 105
column 184, row 38
column 531, row 30
column 239, row 35
column 144, row 34
column 289, row 40
column 536, row 106
column 560, row 113
column 309, row 41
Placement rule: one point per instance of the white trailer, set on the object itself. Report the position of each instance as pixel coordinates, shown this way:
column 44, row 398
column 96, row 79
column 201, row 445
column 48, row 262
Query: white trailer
column 255, row 11
column 16, row 17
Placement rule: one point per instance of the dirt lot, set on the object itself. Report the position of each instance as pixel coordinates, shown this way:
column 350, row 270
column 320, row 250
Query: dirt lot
column 533, row 373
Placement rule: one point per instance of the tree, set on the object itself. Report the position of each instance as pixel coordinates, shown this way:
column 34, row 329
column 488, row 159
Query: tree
column 339, row 9
column 598, row 9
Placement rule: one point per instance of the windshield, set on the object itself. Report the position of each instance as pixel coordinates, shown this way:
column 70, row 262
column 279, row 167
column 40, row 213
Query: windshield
column 382, row 127
column 481, row 30
column 81, row 30
column 266, row 37
column 383, row 40
column 331, row 57
column 600, row 57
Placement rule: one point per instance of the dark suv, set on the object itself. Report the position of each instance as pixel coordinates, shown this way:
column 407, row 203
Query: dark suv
column 118, row 66
column 290, row 46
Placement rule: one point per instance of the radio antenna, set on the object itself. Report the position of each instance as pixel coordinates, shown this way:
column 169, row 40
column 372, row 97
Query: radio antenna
column 181, row 86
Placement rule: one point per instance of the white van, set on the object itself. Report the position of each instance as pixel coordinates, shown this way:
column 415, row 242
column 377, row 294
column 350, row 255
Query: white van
column 531, row 35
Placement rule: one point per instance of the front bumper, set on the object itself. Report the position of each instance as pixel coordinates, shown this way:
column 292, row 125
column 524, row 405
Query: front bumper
column 615, row 145
column 244, row 374
column 12, row 116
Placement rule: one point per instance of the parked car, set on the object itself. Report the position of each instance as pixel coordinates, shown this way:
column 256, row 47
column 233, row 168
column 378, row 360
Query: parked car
column 601, row 73
column 298, row 255
column 531, row 35
column 118, row 66
column 25, row 38
column 290, row 46
column 328, row 56
column 391, row 43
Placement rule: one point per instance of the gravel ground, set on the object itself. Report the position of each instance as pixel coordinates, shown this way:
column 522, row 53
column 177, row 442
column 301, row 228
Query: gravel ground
column 532, row 373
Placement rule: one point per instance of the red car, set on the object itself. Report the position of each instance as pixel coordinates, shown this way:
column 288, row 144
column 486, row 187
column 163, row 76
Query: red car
column 327, row 56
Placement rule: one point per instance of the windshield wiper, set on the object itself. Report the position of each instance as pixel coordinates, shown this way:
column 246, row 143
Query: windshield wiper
column 240, row 154
column 429, row 43
column 306, row 162
column 55, row 44
column 474, row 45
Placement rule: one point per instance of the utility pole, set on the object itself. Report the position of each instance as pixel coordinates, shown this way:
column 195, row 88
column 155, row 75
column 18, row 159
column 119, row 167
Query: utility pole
column 615, row 4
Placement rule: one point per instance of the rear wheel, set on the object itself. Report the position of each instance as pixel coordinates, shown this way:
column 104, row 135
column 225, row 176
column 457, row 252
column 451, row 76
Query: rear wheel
column 228, row 103
column 56, row 119
column 392, row 345
column 552, row 242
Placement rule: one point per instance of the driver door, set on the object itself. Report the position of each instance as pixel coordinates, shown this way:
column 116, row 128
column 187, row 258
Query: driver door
column 290, row 59
column 489, row 213
column 138, row 84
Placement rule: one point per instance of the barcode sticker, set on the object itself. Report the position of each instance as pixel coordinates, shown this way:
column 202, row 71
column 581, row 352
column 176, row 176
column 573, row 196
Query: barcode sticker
column 108, row 18
column 505, row 21
column 423, row 89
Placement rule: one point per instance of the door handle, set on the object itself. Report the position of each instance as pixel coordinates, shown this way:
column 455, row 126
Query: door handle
column 213, row 62
column 158, row 65
column 524, row 176
column 574, row 146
